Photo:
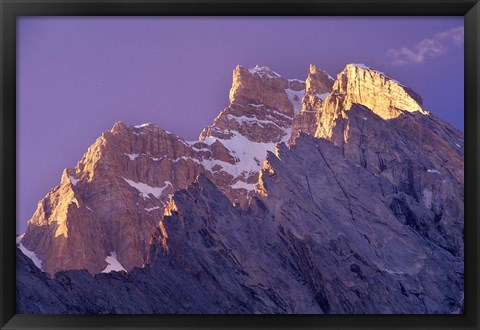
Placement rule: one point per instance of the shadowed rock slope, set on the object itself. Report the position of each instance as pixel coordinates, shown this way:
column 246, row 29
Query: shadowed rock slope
column 319, row 236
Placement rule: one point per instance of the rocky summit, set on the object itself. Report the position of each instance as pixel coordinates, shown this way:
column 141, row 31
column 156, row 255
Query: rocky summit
column 323, row 195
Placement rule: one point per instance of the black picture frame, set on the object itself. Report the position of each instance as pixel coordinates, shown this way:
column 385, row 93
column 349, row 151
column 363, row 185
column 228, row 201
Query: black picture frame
column 10, row 10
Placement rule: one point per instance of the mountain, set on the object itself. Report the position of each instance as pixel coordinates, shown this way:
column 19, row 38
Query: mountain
column 111, row 202
column 326, row 196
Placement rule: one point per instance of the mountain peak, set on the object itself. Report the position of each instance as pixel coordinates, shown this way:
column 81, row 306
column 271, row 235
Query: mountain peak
column 119, row 126
column 360, row 84
column 251, row 84
column 315, row 70
column 261, row 106
column 318, row 82
column 409, row 91
column 377, row 91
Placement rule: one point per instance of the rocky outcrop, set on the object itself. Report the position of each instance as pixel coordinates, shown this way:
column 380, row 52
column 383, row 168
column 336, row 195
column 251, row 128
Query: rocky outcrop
column 318, row 86
column 358, row 84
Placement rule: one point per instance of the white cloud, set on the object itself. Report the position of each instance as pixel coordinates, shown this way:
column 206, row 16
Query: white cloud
column 427, row 48
column 455, row 35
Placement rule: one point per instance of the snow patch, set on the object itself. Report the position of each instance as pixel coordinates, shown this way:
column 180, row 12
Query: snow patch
column 113, row 264
column 31, row 255
column 132, row 156
column 157, row 159
column 152, row 208
column 264, row 72
column 19, row 238
column 288, row 134
column 146, row 190
column 209, row 140
column 297, row 80
column 295, row 98
column 392, row 272
column 458, row 145
column 427, row 197
column 251, row 121
column 176, row 160
column 142, row 125
column 250, row 155
column 198, row 149
column 73, row 180
column 244, row 185
column 433, row 171
column 278, row 114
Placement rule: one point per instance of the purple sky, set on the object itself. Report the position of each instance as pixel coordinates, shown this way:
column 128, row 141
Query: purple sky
column 77, row 76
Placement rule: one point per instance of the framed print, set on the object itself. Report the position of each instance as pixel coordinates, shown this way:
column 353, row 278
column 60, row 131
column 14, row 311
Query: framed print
column 209, row 164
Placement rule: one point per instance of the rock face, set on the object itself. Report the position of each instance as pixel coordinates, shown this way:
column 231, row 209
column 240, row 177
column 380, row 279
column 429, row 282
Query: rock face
column 382, row 127
column 362, row 211
column 112, row 200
